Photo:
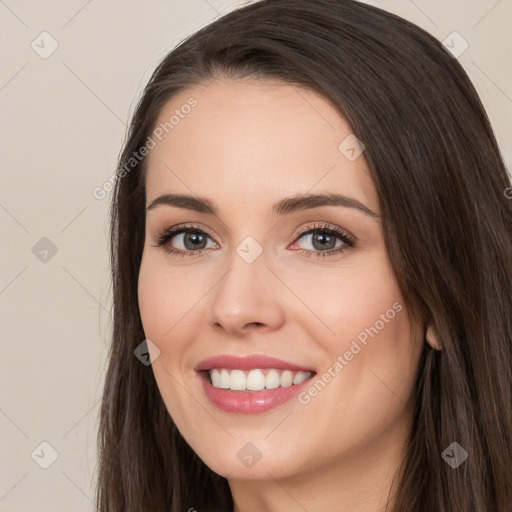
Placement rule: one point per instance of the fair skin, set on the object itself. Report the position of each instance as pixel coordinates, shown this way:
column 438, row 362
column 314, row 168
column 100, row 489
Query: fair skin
column 245, row 146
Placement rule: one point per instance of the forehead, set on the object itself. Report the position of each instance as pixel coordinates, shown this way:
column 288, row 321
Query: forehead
column 254, row 140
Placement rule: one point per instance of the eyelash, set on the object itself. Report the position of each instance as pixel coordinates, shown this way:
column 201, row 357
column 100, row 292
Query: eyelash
column 349, row 240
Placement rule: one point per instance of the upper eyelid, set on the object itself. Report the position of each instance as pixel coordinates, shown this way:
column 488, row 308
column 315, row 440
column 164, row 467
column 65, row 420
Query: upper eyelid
column 319, row 225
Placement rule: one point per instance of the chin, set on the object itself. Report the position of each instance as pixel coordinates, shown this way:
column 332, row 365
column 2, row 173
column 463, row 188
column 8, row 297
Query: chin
column 246, row 460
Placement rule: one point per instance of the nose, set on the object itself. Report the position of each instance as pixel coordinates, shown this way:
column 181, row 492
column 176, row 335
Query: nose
column 248, row 297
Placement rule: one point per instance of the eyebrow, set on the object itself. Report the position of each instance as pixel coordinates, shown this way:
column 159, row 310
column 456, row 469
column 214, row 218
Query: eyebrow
column 285, row 206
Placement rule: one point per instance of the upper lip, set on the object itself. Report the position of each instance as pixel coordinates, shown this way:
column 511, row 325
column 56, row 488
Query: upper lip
column 249, row 362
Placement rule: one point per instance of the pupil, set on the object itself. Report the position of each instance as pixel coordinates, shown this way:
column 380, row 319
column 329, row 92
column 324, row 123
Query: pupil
column 323, row 240
column 196, row 239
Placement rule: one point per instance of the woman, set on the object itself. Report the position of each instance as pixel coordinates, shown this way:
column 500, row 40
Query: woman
column 311, row 245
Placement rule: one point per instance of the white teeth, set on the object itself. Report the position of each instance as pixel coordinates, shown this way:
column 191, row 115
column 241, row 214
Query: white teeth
column 301, row 377
column 224, row 379
column 286, row 379
column 215, row 377
column 255, row 380
column 220, row 378
column 237, row 380
column 272, row 380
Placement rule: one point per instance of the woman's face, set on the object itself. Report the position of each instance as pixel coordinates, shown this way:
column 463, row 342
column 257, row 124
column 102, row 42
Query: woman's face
column 247, row 281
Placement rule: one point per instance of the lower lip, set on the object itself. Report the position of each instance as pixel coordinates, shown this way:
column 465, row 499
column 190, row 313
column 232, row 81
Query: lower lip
column 250, row 402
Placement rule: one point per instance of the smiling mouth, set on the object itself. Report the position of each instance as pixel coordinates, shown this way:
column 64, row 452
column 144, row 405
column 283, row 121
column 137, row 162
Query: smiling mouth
column 256, row 379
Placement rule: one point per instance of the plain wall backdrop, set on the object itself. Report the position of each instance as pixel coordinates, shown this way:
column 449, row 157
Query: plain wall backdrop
column 70, row 75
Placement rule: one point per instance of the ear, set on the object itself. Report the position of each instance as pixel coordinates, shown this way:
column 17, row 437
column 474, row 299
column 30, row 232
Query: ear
column 432, row 337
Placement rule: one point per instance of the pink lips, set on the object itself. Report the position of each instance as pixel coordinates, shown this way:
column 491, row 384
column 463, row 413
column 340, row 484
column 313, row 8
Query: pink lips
column 248, row 363
column 248, row 402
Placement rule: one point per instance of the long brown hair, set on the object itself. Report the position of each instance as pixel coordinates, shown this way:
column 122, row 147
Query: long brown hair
column 447, row 225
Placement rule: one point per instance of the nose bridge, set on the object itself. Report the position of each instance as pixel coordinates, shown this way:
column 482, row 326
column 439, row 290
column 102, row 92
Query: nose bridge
column 245, row 294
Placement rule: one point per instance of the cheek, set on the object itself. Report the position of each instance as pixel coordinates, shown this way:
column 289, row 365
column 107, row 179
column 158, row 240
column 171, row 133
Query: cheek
column 365, row 323
column 371, row 300
column 166, row 298
column 347, row 299
column 160, row 312
column 154, row 301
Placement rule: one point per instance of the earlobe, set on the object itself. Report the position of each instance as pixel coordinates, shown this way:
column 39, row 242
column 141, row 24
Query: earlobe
column 432, row 338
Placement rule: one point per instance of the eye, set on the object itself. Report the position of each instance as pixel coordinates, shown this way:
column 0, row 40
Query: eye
column 190, row 240
column 325, row 240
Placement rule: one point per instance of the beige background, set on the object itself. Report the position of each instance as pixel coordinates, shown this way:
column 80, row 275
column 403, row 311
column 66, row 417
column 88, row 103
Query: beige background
column 62, row 124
